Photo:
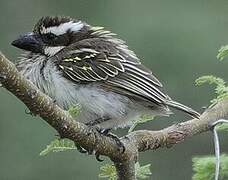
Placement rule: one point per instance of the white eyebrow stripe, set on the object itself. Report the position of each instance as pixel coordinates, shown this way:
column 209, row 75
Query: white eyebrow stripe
column 63, row 28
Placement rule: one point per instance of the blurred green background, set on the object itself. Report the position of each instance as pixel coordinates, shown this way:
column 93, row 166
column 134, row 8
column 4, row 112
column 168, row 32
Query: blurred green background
column 177, row 39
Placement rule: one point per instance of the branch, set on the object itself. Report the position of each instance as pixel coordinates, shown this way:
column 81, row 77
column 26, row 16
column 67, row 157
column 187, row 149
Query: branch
column 42, row 105
column 137, row 141
column 176, row 133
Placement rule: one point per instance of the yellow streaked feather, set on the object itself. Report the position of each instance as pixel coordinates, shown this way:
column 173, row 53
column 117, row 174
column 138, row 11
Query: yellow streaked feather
column 61, row 66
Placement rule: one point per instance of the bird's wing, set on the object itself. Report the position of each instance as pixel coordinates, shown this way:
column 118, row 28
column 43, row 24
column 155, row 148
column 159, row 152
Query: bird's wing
column 114, row 66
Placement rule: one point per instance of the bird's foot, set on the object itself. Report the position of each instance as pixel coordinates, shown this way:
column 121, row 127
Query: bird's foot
column 104, row 132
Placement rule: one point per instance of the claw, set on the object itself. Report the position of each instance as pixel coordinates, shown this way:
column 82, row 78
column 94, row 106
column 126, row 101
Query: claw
column 106, row 132
column 121, row 147
column 80, row 149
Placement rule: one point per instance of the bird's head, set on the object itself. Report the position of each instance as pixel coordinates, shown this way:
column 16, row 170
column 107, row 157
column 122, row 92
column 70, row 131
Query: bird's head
column 52, row 34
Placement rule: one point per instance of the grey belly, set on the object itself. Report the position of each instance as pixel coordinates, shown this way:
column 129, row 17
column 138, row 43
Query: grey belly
column 109, row 109
column 95, row 102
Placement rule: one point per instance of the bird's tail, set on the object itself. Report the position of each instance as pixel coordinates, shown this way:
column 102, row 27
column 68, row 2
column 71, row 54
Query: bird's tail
column 183, row 108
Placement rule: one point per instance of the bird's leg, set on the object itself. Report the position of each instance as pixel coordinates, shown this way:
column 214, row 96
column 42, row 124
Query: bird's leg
column 106, row 132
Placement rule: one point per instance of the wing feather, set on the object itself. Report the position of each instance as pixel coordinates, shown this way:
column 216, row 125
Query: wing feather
column 109, row 71
column 151, row 88
column 113, row 66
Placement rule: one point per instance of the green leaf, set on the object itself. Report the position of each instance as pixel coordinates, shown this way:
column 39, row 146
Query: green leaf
column 220, row 87
column 142, row 172
column 219, row 98
column 222, row 127
column 58, row 146
column 204, row 168
column 223, row 52
column 220, row 83
column 109, row 171
column 142, row 119
column 74, row 110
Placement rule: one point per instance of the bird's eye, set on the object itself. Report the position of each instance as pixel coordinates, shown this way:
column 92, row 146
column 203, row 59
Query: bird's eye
column 50, row 36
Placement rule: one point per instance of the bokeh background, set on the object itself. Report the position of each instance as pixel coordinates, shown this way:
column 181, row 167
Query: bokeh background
column 177, row 39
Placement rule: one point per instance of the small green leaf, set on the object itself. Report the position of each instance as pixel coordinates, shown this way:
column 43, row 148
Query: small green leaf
column 220, row 83
column 218, row 98
column 222, row 127
column 58, row 146
column 223, row 52
column 221, row 89
column 142, row 172
column 142, row 119
column 74, row 110
column 109, row 171
column 204, row 168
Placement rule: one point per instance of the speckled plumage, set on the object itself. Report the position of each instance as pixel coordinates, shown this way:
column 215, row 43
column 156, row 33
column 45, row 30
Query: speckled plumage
column 81, row 64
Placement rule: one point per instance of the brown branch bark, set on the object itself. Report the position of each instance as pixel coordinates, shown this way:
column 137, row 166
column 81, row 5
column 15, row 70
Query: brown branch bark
column 135, row 142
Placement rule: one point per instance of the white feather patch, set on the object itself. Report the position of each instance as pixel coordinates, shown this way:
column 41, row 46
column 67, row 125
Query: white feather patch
column 63, row 28
column 51, row 51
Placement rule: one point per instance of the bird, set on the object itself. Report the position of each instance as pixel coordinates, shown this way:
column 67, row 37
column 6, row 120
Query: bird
column 76, row 63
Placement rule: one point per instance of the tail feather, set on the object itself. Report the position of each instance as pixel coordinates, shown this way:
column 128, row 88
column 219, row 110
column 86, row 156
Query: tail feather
column 184, row 108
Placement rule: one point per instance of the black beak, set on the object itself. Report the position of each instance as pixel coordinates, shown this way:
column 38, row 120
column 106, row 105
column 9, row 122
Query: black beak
column 29, row 42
